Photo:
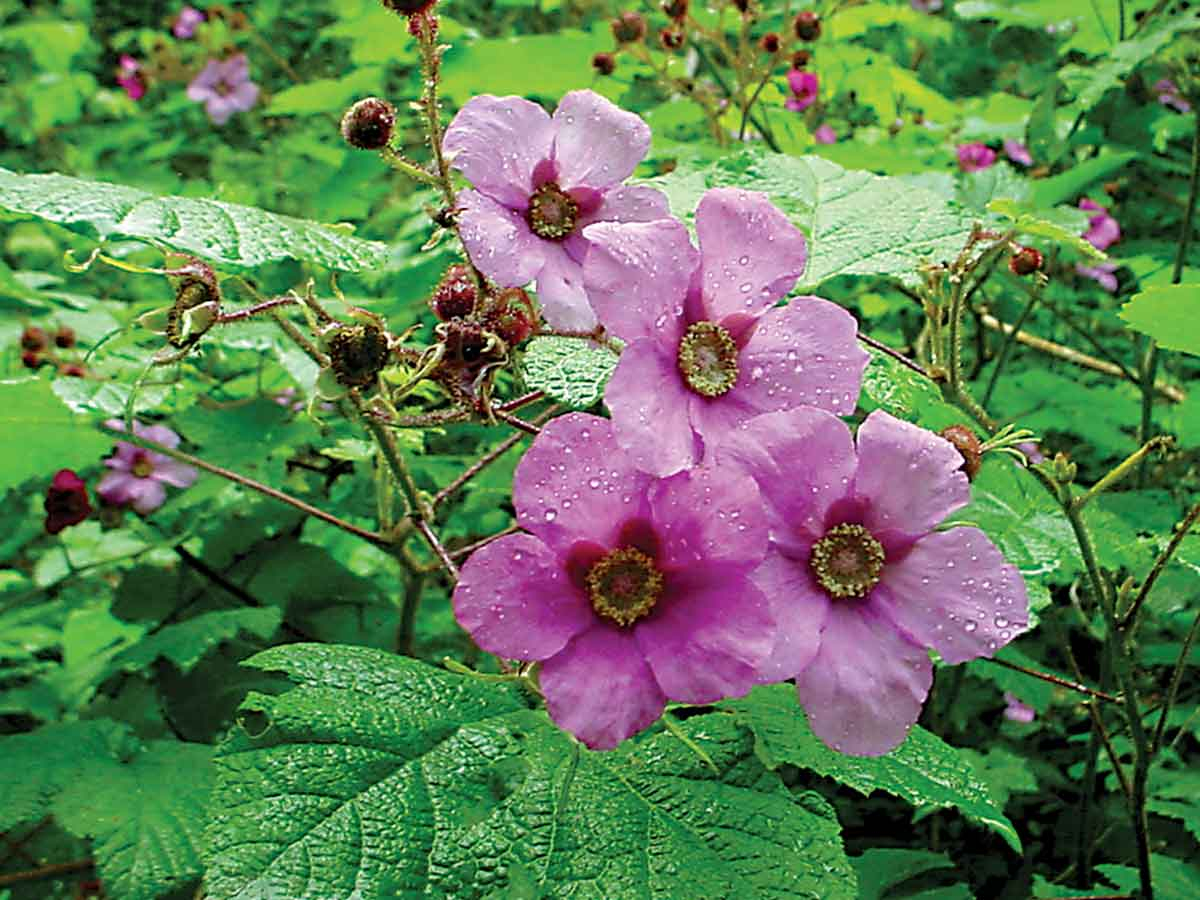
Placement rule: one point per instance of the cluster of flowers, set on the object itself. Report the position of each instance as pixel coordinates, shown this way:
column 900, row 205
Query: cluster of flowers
column 223, row 85
column 724, row 527
column 136, row 479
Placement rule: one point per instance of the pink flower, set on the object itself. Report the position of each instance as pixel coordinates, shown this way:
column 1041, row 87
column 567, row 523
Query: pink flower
column 538, row 181
column 1104, row 274
column 1103, row 230
column 975, row 156
column 825, row 134
column 804, row 86
column 1016, row 711
column 631, row 590
column 224, row 87
column 1169, row 96
column 861, row 583
column 138, row 475
column 706, row 349
column 66, row 501
column 1017, row 152
column 129, row 77
column 1032, row 452
column 926, row 6
column 185, row 25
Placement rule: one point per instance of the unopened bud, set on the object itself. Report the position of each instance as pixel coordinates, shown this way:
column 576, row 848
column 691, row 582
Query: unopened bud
column 455, row 295
column 671, row 38
column 357, row 354
column 604, row 63
column 807, row 26
column 408, row 7
column 675, row 9
column 369, row 123
column 64, row 337
column 72, row 370
column 34, row 338
column 800, row 59
column 1025, row 261
column 511, row 316
column 966, row 442
column 769, row 42
column 197, row 305
column 743, row 6
column 1064, row 470
column 628, row 28
column 31, row 359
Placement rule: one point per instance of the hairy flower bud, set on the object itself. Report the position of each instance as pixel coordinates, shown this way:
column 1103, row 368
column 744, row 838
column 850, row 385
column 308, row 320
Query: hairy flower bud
column 357, row 353
column 769, row 43
column 72, row 370
column 34, row 338
column 31, row 359
column 511, row 316
column 800, row 59
column 604, row 63
column 1025, row 261
column 408, row 7
column 455, row 295
column 628, row 28
column 670, row 38
column 64, row 337
column 675, row 9
column 807, row 25
column 966, row 442
column 197, row 305
column 369, row 123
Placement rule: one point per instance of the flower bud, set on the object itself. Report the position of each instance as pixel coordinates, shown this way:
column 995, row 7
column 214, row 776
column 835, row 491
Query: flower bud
column 455, row 295
column 1025, row 261
column 1064, row 470
column 675, row 9
column 197, row 305
column 966, row 442
column 31, row 359
column 807, row 25
column 408, row 7
column 34, row 338
column 72, row 370
column 511, row 316
column 769, row 43
column 604, row 63
column 357, row 353
column 671, row 38
column 66, row 501
column 800, row 59
column 628, row 28
column 64, row 337
column 743, row 6
column 369, row 123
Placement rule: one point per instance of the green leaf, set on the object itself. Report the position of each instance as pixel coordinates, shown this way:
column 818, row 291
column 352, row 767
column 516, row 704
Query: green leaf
column 857, row 223
column 1169, row 314
column 1070, row 184
column 233, row 236
column 145, row 817
column 923, row 770
column 1173, row 878
column 573, row 371
column 186, row 643
column 38, row 435
column 562, row 62
column 893, row 387
column 1064, row 225
column 405, row 781
column 881, row 869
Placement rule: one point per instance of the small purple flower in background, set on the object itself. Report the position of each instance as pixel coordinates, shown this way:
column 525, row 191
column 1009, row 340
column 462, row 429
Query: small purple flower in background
column 975, row 156
column 1016, row 711
column 1103, row 230
column 706, row 347
column 1169, row 96
column 138, row 476
column 224, row 87
column 185, row 25
column 129, row 77
column 538, row 181
column 66, row 501
column 1017, row 152
column 1032, row 452
column 861, row 583
column 804, row 86
column 926, row 6
column 825, row 134
column 632, row 591
column 1104, row 274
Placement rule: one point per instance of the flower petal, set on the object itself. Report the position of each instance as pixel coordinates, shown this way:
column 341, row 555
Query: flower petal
column 219, row 108
column 117, row 487
column 799, row 609
column 496, row 142
column 750, row 254
column 203, row 85
column 909, row 477
column 706, row 640
column 575, row 484
column 864, row 689
column 160, row 434
column 704, row 516
column 146, row 495
column 629, row 203
column 244, row 96
column 596, row 143
column 649, row 406
column 600, row 688
column 802, row 354
column 637, row 276
column 560, row 291
column 171, row 472
column 514, row 598
column 955, row 593
column 499, row 240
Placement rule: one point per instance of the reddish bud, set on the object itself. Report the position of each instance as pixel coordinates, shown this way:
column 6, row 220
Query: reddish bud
column 66, row 501
column 408, row 7
column 34, row 338
column 671, row 38
column 769, row 42
column 31, row 359
column 604, row 63
column 511, row 316
column 369, row 123
column 800, row 59
column 675, row 9
column 743, row 6
column 966, row 442
column 455, row 295
column 64, row 337
column 628, row 28
column 807, row 26
column 1025, row 261
column 357, row 354
column 72, row 370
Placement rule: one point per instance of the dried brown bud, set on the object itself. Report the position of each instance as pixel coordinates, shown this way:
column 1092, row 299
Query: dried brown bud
column 31, row 359
column 357, row 353
column 671, row 38
column 769, row 42
column 807, row 25
column 1025, row 261
column 455, row 295
column 34, row 338
column 408, row 7
column 628, row 28
column 64, row 337
column 966, row 442
column 800, row 59
column 675, row 9
column 604, row 63
column 369, row 123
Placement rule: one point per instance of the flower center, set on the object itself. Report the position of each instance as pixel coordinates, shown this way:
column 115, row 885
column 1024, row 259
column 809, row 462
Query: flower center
column 708, row 359
column 142, row 467
column 624, row 585
column 552, row 213
column 847, row 561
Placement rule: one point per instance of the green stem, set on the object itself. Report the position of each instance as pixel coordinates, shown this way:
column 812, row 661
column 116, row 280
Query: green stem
column 1010, row 338
column 1176, row 680
column 1123, row 468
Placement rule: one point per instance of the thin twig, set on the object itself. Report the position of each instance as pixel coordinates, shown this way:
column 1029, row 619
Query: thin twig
column 1054, row 679
column 52, row 871
column 438, row 548
column 894, row 354
column 1181, row 531
column 463, row 552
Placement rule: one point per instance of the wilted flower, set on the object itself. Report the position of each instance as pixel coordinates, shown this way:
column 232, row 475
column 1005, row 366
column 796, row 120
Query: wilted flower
column 804, row 86
column 224, row 87
column 538, row 181
column 185, row 24
column 1016, row 711
column 1169, row 95
column 138, row 476
column 825, row 134
column 129, row 77
column 861, row 583
column 975, row 156
column 706, row 347
column 631, row 590
column 66, row 501
column 1017, row 152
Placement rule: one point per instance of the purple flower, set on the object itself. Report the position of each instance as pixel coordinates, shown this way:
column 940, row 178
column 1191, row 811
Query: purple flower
column 224, row 87
column 129, row 77
column 1032, row 452
column 804, row 86
column 66, row 501
column 1016, row 711
column 926, row 6
column 1169, row 96
column 706, row 349
column 185, row 25
column 1017, row 152
column 538, row 181
column 825, row 134
column 1103, row 230
column 975, row 156
column 1101, row 273
column 138, row 475
column 861, row 584
column 631, row 590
